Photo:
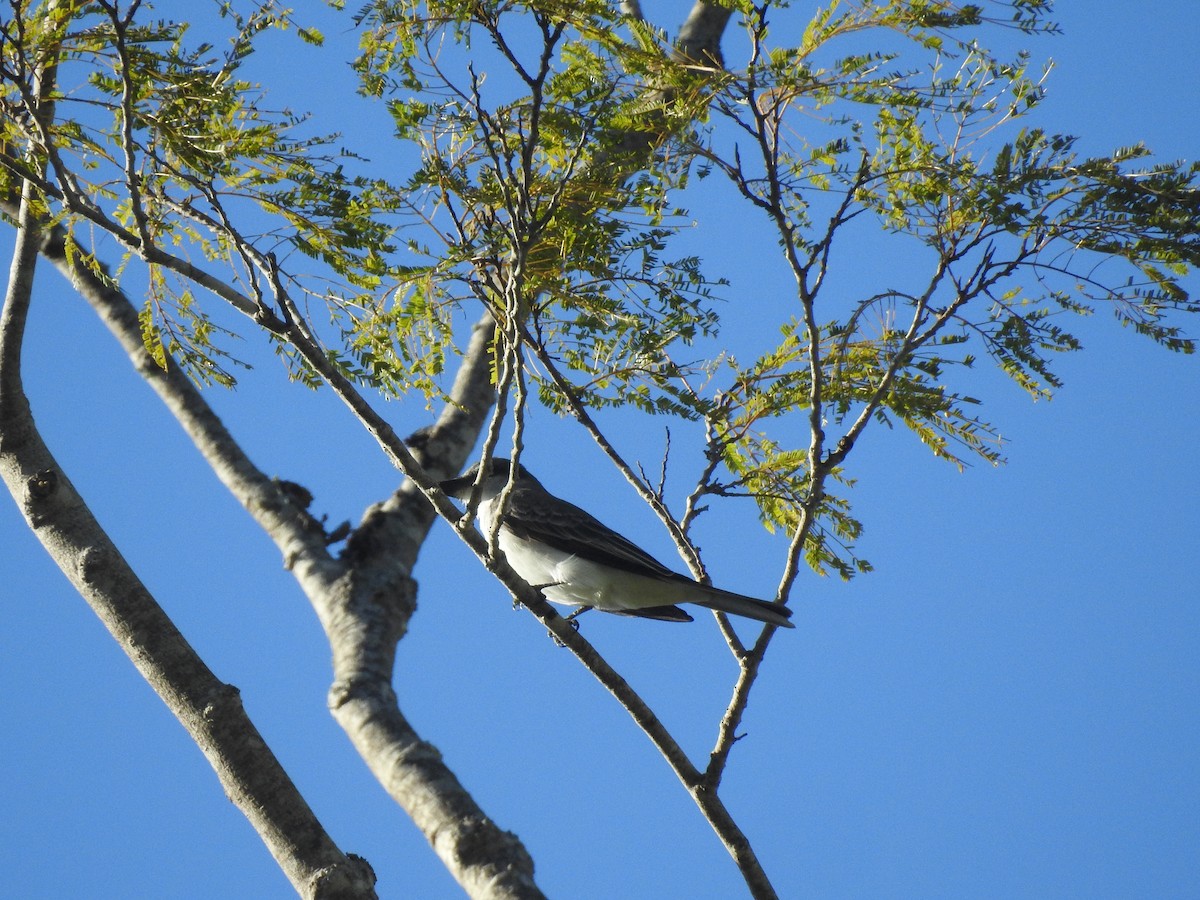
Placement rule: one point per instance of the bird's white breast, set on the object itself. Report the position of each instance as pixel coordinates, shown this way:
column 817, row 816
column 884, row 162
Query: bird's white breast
column 566, row 578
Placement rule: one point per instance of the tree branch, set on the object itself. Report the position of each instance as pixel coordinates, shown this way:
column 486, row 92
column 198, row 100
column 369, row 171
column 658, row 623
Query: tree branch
column 700, row 36
column 210, row 710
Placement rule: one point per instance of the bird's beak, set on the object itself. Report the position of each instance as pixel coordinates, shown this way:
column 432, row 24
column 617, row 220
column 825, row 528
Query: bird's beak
column 459, row 488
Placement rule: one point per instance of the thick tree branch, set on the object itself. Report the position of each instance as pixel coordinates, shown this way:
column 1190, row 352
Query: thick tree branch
column 700, row 36
column 210, row 710
column 366, row 612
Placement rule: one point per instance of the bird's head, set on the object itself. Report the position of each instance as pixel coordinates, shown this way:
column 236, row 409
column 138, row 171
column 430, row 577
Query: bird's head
column 497, row 476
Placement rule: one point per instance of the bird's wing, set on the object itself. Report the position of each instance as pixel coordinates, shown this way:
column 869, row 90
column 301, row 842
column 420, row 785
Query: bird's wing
column 540, row 516
column 536, row 515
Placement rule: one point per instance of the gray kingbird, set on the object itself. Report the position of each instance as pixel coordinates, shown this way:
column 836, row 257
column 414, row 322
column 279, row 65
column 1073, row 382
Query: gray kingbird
column 576, row 560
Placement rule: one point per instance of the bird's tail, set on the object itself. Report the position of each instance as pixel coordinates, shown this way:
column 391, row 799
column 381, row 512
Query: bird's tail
column 739, row 605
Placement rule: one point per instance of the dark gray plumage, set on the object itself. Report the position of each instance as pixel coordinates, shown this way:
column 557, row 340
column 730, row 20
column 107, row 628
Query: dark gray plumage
column 579, row 561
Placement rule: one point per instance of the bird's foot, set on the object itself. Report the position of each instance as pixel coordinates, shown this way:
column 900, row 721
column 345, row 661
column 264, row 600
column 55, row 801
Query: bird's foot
column 573, row 616
column 570, row 620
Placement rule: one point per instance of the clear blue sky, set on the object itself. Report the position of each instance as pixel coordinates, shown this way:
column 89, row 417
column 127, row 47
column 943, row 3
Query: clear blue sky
column 1007, row 707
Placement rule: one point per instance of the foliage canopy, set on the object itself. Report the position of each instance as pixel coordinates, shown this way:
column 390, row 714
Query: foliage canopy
column 555, row 146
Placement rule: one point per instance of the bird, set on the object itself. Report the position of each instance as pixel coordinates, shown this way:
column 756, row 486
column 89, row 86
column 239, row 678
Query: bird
column 576, row 560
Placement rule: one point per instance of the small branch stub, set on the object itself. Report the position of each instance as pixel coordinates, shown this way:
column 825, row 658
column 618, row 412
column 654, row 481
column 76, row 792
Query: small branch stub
column 41, row 485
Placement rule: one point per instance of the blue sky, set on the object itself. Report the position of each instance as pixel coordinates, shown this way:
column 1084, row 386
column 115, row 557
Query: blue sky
column 1006, row 707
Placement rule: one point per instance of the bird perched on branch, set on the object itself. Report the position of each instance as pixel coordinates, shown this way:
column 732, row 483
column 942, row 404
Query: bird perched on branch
column 576, row 560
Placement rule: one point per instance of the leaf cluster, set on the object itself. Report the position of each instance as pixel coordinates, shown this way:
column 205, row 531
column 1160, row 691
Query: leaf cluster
column 1005, row 230
column 163, row 142
column 548, row 156
column 553, row 147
